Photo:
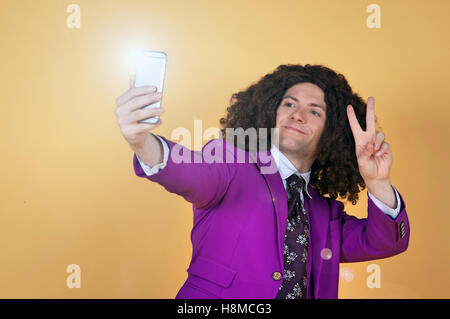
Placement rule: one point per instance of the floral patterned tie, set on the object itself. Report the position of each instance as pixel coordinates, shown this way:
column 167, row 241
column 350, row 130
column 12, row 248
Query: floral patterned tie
column 296, row 244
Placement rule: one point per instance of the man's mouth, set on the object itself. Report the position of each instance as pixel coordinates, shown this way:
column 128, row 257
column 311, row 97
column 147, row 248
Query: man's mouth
column 294, row 129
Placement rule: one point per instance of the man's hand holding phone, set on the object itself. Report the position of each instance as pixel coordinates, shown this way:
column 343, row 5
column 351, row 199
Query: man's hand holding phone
column 129, row 112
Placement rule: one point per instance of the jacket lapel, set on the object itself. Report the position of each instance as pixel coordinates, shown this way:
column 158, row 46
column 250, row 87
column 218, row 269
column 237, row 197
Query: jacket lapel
column 279, row 198
column 319, row 216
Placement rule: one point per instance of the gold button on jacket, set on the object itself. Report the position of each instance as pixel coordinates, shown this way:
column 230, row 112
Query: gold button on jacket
column 276, row 275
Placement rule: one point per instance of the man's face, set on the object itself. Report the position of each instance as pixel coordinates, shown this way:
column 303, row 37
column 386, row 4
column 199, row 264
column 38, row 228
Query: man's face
column 301, row 119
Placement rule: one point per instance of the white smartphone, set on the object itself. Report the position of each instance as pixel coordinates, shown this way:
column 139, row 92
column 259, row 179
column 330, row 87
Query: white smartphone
column 151, row 70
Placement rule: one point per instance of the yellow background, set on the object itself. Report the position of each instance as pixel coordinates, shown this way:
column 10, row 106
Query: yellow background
column 69, row 194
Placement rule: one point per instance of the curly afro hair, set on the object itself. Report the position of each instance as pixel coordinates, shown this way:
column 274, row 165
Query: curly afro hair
column 335, row 169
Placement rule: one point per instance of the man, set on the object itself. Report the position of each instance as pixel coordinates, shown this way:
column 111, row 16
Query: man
column 258, row 235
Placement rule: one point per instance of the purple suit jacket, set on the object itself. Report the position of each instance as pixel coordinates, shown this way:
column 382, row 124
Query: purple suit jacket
column 239, row 228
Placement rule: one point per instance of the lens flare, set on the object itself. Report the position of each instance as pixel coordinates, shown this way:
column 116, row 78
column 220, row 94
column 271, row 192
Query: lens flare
column 133, row 57
column 326, row 254
column 346, row 274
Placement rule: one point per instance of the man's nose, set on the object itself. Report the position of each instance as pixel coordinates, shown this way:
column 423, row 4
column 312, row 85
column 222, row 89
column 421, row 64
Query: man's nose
column 297, row 115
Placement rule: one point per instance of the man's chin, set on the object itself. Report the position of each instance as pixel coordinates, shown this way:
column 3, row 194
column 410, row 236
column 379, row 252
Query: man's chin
column 291, row 146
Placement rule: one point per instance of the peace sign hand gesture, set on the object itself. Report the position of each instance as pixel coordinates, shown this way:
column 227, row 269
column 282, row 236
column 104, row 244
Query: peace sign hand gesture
column 373, row 154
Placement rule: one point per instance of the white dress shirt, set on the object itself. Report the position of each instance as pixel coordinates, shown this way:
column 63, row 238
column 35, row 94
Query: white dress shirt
column 285, row 168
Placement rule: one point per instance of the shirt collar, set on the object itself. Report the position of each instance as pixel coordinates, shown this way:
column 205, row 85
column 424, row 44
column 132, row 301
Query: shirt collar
column 286, row 168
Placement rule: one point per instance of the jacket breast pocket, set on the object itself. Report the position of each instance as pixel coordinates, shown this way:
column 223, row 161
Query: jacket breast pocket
column 210, row 275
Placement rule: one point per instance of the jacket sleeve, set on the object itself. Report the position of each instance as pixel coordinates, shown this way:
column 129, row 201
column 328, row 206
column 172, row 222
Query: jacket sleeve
column 375, row 237
column 200, row 177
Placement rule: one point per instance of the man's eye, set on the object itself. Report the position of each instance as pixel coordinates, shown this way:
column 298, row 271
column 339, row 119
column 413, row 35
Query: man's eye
column 288, row 103
column 316, row 113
